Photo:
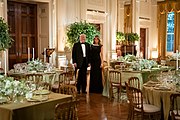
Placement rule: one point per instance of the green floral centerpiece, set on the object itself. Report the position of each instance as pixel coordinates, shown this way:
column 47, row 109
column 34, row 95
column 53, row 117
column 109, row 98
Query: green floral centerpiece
column 143, row 64
column 130, row 58
column 5, row 39
column 35, row 65
column 74, row 30
column 11, row 88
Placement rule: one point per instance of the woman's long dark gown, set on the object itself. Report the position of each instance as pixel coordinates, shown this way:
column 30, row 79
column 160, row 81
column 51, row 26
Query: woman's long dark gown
column 96, row 71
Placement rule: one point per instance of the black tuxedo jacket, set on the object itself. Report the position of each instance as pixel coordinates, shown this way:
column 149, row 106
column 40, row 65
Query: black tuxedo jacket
column 77, row 54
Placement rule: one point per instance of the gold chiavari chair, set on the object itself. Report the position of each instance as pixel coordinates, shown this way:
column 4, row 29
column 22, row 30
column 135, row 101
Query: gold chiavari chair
column 68, row 90
column 175, row 106
column 115, row 83
column 139, row 109
column 134, row 82
column 35, row 78
column 66, row 111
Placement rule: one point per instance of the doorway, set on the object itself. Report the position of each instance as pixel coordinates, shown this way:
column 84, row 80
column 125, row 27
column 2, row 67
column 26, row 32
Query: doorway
column 22, row 20
column 143, row 42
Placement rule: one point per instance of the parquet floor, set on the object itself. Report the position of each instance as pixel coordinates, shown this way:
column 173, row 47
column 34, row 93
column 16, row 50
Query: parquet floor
column 97, row 107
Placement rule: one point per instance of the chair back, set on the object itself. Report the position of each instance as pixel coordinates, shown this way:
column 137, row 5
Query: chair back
column 135, row 98
column 115, row 77
column 66, row 111
column 175, row 106
column 68, row 78
column 68, row 90
column 47, row 86
column 134, row 82
column 20, row 67
column 35, row 78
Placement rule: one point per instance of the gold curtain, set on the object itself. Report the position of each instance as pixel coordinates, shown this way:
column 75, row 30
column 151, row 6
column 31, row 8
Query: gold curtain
column 127, row 19
column 163, row 9
column 177, row 27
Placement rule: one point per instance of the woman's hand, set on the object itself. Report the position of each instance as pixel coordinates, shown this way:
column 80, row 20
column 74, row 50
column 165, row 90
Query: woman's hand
column 101, row 66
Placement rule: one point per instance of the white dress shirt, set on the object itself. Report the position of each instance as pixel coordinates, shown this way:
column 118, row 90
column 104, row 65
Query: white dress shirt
column 83, row 49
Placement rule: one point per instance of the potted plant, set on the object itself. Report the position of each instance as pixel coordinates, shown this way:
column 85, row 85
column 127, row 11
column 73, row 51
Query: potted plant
column 132, row 37
column 74, row 30
column 120, row 37
column 5, row 39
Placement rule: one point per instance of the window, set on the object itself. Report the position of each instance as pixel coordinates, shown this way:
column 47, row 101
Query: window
column 170, row 32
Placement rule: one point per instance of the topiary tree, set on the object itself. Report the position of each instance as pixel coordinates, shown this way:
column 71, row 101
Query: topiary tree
column 74, row 30
column 5, row 39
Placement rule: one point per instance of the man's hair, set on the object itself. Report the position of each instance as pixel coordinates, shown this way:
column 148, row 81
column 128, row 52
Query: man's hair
column 83, row 35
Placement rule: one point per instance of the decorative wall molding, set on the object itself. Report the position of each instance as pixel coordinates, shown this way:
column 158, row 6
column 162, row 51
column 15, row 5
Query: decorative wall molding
column 96, row 5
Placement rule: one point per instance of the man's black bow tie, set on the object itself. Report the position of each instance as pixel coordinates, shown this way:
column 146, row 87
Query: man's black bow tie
column 82, row 43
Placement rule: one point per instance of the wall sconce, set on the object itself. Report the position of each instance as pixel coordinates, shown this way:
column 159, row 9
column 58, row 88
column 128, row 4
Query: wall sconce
column 154, row 53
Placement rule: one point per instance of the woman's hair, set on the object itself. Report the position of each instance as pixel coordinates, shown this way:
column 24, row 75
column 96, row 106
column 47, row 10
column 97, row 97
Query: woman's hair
column 99, row 41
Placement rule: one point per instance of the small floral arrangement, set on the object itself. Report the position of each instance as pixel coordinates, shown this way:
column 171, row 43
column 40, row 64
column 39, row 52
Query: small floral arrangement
column 120, row 36
column 130, row 58
column 35, row 65
column 143, row 64
column 10, row 87
column 174, row 56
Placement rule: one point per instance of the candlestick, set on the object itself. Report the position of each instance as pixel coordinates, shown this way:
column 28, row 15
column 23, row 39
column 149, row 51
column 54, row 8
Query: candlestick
column 44, row 55
column 28, row 54
column 5, row 67
column 33, row 54
column 177, row 66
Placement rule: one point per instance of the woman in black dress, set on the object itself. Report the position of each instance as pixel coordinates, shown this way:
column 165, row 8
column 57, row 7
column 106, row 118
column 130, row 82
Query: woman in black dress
column 96, row 85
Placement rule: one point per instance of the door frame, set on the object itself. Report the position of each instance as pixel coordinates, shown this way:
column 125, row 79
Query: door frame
column 52, row 26
column 147, row 49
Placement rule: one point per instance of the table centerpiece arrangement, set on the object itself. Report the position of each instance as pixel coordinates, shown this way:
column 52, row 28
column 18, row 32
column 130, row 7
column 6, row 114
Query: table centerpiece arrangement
column 35, row 65
column 10, row 89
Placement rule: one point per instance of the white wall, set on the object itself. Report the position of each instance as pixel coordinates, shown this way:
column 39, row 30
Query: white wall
column 65, row 12
column 148, row 20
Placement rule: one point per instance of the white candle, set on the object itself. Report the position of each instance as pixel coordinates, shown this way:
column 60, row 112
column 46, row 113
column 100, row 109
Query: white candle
column 33, row 54
column 141, row 55
column 177, row 66
column 44, row 55
column 28, row 54
column 5, row 67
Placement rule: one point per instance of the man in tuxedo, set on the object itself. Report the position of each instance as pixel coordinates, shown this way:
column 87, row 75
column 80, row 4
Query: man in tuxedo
column 81, row 60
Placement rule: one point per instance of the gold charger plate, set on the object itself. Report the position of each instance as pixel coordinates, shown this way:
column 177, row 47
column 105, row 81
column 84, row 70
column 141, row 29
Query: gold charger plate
column 42, row 92
column 37, row 98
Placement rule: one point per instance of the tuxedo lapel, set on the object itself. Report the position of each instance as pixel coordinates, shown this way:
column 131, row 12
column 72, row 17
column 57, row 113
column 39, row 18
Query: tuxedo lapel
column 80, row 48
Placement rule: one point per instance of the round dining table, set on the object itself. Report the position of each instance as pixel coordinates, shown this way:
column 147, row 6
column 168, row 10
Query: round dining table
column 159, row 96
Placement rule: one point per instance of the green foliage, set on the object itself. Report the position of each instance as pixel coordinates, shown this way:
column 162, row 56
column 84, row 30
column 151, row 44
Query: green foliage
column 120, row 36
column 132, row 37
column 74, row 30
column 5, row 39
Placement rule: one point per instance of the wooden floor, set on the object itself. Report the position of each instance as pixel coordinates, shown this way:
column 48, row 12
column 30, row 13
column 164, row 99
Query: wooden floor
column 97, row 107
